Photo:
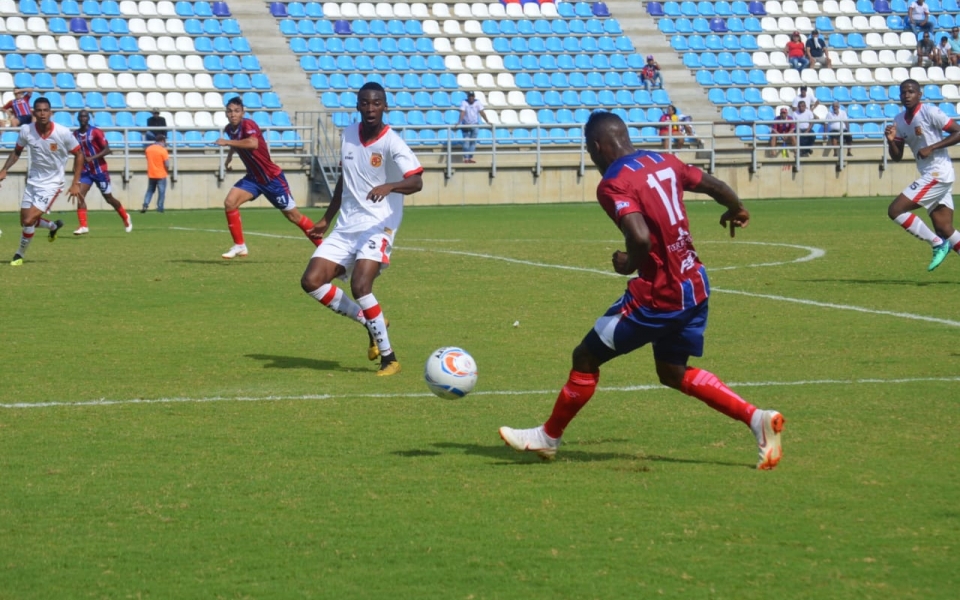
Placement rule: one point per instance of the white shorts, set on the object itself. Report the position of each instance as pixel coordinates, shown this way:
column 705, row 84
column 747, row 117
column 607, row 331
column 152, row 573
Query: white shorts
column 930, row 193
column 40, row 197
column 346, row 249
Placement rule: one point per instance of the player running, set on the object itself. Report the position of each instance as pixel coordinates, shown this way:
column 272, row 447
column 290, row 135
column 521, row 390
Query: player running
column 50, row 145
column 95, row 148
column 666, row 304
column 378, row 170
column 921, row 126
column 244, row 137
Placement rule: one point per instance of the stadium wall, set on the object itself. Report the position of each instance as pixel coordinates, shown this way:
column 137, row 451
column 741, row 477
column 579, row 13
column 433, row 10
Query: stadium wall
column 512, row 185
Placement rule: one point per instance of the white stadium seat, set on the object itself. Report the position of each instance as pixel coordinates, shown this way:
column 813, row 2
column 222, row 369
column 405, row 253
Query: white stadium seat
column 366, row 10
column 331, row 10
column 828, row 76
column 803, row 24
column 874, row 40
column 418, row 10
column 472, row 27
column 86, row 81
column 904, row 57
column 431, row 27
column 953, row 73
column 811, row 8
column 194, row 100
column 860, row 23
column 908, row 39
column 184, row 44
column 843, row 24
column 156, row 100
column 453, row 63
column 147, row 43
column 128, row 8
column 950, row 92
column 508, row 116
column 887, row 57
column 496, row 97
column 193, row 63
column 761, row 60
column 384, row 10
column 792, row 77
column 106, row 81
column 16, row 25
column 821, row 111
column 155, row 62
column 936, row 75
column 494, row 62
column 77, row 62
column 883, row 75
column 204, row 81
column 402, row 10
column 787, row 94
column 348, row 10
column 790, row 8
column 891, row 40
column 156, row 26
column 137, row 26
column 203, row 119
column 146, row 81
column 462, row 45
column 497, row 11
column 472, row 62
column 220, row 118
column 174, row 100
column 531, row 10
column 786, row 24
column 165, row 44
column 773, row 8
column 878, row 23
column 97, row 62
column 900, row 73
column 765, row 42
column 466, row 81
column 848, row 7
column 850, row 58
column 775, row 77
column 135, row 99
column 864, row 75
column 165, row 8
column 810, row 77
column 485, row 81
column 780, row 41
column 6, row 81
column 184, row 81
column 165, row 81
column 548, row 10
column 779, row 60
column 461, row 10
column 441, row 45
column 54, row 62
column 175, row 27
column 127, row 81
column 213, row 100
column 505, row 82
column 26, row 43
column 514, row 97
column 440, row 10
column 869, row 58
column 46, row 43
column 528, row 117
column 845, row 76
column 769, row 24
column 480, row 10
column 514, row 11
column 451, row 27
column 67, row 43
column 37, row 25
column 483, row 45
column 174, row 63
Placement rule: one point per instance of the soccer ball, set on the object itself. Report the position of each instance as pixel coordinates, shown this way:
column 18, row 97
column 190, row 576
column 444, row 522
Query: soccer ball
column 450, row 373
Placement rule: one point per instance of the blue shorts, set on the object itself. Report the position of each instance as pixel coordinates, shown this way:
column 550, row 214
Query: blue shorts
column 676, row 335
column 277, row 191
column 102, row 181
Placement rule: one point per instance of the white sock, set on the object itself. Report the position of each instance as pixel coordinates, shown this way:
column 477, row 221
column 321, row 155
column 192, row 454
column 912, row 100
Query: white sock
column 954, row 241
column 333, row 298
column 915, row 226
column 376, row 324
column 25, row 238
column 45, row 224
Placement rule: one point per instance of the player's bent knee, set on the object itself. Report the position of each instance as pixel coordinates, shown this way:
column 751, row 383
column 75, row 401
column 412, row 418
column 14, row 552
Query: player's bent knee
column 671, row 375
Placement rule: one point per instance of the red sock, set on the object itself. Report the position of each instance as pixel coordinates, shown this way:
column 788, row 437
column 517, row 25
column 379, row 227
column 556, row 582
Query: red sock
column 123, row 213
column 235, row 226
column 706, row 387
column 574, row 395
column 82, row 216
column 306, row 225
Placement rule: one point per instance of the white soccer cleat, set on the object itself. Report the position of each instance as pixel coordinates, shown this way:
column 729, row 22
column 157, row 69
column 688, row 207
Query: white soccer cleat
column 531, row 440
column 768, row 440
column 237, row 250
column 81, row 231
column 128, row 224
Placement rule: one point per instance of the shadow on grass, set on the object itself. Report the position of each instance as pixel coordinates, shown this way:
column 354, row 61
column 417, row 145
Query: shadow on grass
column 299, row 362
column 566, row 454
column 911, row 282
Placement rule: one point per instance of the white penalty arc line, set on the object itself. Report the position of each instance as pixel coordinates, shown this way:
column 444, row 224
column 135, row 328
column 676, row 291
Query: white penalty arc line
column 812, row 254
column 314, row 397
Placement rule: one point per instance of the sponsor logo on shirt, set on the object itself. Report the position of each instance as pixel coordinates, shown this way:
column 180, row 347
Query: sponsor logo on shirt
column 621, row 205
column 376, row 159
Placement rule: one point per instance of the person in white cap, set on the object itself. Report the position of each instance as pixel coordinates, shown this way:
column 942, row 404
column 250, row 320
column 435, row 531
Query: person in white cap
column 650, row 74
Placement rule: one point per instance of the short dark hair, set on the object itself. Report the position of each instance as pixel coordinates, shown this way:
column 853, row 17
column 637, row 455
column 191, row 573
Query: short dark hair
column 374, row 86
column 913, row 82
column 596, row 121
column 41, row 100
column 236, row 101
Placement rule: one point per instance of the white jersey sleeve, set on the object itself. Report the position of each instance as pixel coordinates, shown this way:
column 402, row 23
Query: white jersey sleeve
column 405, row 162
column 924, row 128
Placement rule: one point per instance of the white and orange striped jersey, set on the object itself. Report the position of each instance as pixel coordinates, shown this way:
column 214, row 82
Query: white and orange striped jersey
column 365, row 165
column 48, row 154
column 925, row 128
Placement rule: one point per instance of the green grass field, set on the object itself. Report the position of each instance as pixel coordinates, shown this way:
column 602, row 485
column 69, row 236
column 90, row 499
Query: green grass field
column 174, row 425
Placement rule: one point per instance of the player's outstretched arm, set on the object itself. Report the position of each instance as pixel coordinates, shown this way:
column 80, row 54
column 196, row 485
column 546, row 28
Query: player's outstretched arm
column 736, row 215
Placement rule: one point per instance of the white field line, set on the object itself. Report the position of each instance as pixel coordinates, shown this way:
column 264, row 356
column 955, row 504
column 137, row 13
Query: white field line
column 812, row 254
column 314, row 397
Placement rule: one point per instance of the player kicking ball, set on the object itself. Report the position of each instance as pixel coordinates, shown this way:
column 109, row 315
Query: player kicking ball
column 666, row 304
column 95, row 148
column 50, row 144
column 377, row 170
column 921, row 127
column 244, row 137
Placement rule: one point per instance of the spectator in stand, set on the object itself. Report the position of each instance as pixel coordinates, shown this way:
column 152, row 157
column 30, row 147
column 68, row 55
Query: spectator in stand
column 804, row 118
column 955, row 46
column 797, row 52
column 7, row 119
column 782, row 132
column 650, row 74
column 817, row 51
column 837, row 127
column 158, row 169
column 472, row 113
column 20, row 106
column 671, row 121
column 155, row 121
column 942, row 52
column 926, row 51
column 805, row 94
column 918, row 17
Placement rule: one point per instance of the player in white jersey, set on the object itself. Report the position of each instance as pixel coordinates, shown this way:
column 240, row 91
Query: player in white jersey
column 921, row 127
column 377, row 170
column 50, row 146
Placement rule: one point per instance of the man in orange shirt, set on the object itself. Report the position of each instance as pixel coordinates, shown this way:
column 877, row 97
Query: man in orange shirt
column 157, row 167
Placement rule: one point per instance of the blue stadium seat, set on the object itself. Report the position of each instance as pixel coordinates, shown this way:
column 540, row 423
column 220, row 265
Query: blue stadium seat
column 765, row 113
column 824, row 24
column 717, row 95
column 932, row 92
column 378, row 28
column 260, row 81
column 708, row 60
column 748, row 113
column 735, row 96
column 110, row 8
column 43, row 81
column 360, row 27
column 58, row 26
column 212, row 27
column 230, row 27
column 90, row 8
column 751, row 95
column 654, row 9
column 757, row 8
column 23, row 80
column 701, row 25
column 34, row 62
column 7, row 43
column 666, row 26
column 730, row 114
column 855, row 41
column 735, row 25
column 212, row 62
column 69, row 8
column 222, row 81
column 725, row 78
column 842, row 94
column 726, row 60
column 752, row 25
column 837, row 41
column 713, row 42
column 855, row 111
column 95, row 100
column 824, row 94
column 858, row 93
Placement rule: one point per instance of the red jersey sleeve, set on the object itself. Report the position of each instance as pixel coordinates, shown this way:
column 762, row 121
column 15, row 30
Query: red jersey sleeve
column 617, row 199
column 690, row 176
column 249, row 128
column 99, row 140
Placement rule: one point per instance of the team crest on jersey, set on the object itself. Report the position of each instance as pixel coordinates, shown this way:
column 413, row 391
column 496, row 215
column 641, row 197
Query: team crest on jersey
column 53, row 147
column 917, row 131
column 376, row 159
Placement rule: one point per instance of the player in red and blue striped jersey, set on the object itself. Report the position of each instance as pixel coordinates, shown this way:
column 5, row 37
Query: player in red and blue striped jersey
column 95, row 148
column 665, row 305
column 243, row 137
